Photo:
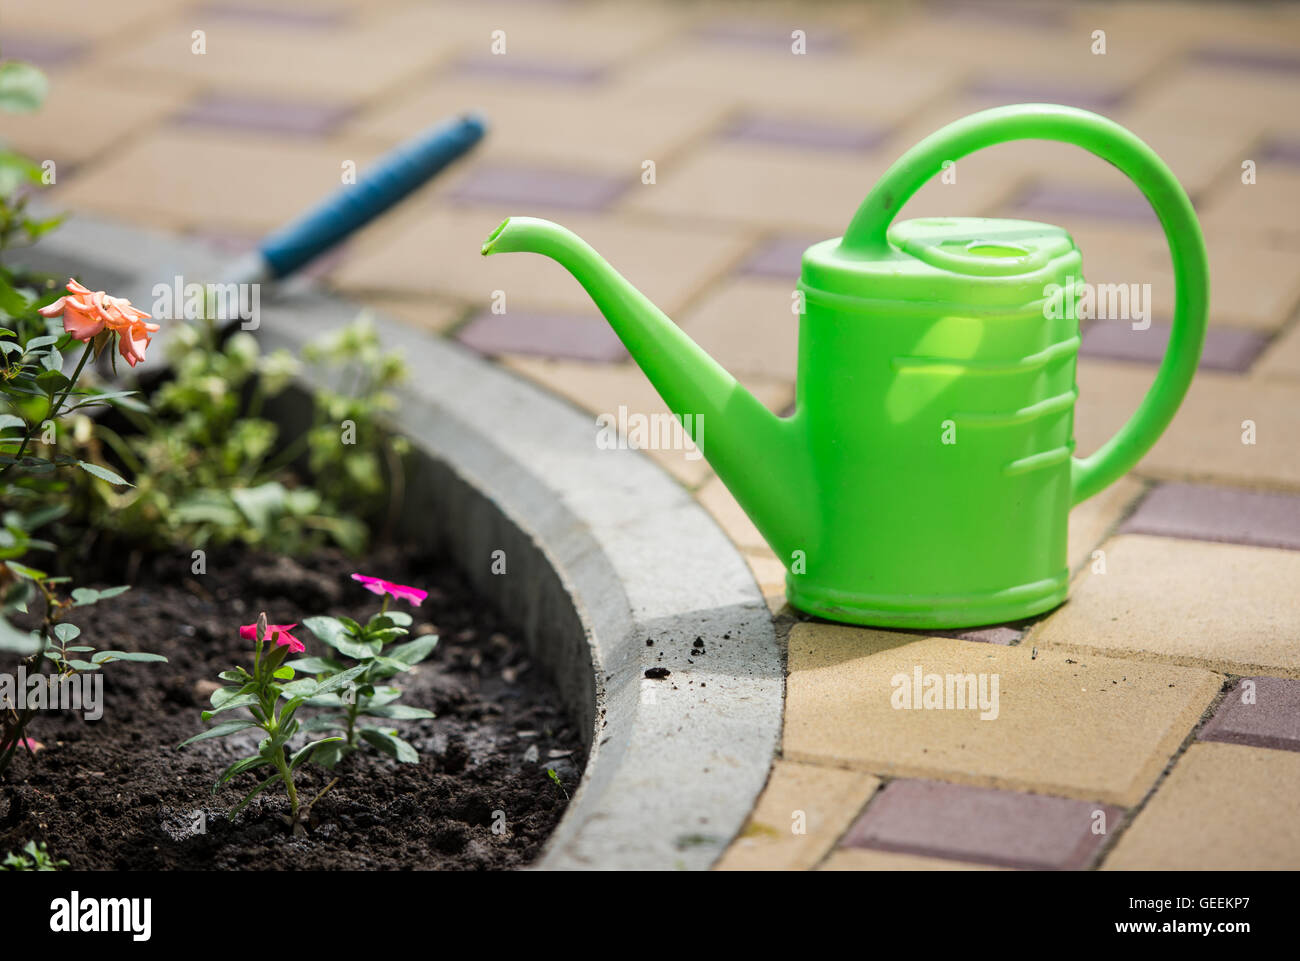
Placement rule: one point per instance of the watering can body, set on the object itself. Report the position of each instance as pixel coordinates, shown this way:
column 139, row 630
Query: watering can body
column 926, row 475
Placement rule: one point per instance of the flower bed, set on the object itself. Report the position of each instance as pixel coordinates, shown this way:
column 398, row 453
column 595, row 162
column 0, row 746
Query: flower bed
column 116, row 793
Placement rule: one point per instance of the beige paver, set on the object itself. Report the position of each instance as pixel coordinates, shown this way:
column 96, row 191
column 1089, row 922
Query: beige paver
column 718, row 501
column 1262, row 211
column 1090, row 727
column 79, row 19
column 438, row 252
column 1228, row 607
column 426, row 313
column 555, row 126
column 206, row 180
column 1223, row 807
column 1092, row 520
column 603, row 388
column 346, row 63
column 762, row 186
column 84, row 117
column 1282, row 358
column 749, row 326
column 1209, row 438
column 864, row 859
column 780, row 82
column 799, row 817
column 769, row 572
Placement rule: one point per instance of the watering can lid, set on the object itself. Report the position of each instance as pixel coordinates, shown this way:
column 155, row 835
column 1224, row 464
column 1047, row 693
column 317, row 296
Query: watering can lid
column 973, row 260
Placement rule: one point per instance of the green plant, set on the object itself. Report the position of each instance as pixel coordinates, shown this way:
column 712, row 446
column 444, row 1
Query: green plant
column 367, row 706
column 270, row 697
column 34, row 857
column 53, row 642
column 209, row 469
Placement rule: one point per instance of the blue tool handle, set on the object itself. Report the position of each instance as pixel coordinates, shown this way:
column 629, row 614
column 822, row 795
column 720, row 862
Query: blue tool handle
column 391, row 179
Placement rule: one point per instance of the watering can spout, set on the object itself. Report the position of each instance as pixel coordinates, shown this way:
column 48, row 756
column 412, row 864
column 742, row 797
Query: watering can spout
column 757, row 455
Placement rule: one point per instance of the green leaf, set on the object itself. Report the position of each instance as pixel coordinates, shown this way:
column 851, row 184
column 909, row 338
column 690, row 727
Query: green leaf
column 336, row 681
column 9, row 420
column 413, row 652
column 242, row 700
column 14, row 641
column 82, row 665
column 315, row 665
column 335, row 633
column 252, row 794
column 103, row 473
column 233, row 726
column 284, row 673
column 67, row 632
column 305, row 753
column 239, row 767
column 390, row 744
column 391, row 619
column 22, row 570
column 22, row 87
column 398, row 712
column 325, row 722
column 138, row 656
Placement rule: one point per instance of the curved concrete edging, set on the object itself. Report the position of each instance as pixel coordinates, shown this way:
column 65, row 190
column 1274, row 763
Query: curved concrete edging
column 603, row 551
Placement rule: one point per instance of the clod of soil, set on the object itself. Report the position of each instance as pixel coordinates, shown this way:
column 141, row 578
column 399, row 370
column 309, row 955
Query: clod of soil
column 117, row 794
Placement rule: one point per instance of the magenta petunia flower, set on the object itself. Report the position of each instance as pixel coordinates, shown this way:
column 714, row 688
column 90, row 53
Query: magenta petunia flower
column 377, row 585
column 279, row 633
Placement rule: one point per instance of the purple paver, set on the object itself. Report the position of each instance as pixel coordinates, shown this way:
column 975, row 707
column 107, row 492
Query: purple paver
column 797, row 132
column 1258, row 712
column 1008, row 14
column 1225, row 514
column 1282, row 150
column 268, row 14
column 256, row 113
column 42, row 51
column 1270, row 60
column 1226, row 348
column 779, row 257
column 1049, row 199
column 753, row 33
column 498, row 184
column 514, row 67
column 983, row 825
column 568, row 336
column 1014, row 90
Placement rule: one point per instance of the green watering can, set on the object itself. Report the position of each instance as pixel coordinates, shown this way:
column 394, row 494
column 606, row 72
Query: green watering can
column 925, row 477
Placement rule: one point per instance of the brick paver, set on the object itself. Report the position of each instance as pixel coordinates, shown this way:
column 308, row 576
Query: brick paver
column 1223, row 806
column 1228, row 607
column 1093, row 728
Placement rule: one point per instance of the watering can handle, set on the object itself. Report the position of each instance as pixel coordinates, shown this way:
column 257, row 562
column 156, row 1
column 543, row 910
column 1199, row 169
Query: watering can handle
column 1105, row 138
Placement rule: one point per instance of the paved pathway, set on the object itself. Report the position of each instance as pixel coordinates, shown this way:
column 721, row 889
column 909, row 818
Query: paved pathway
column 1154, row 721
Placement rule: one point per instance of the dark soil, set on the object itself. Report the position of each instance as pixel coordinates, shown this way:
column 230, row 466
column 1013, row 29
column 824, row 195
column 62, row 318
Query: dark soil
column 117, row 794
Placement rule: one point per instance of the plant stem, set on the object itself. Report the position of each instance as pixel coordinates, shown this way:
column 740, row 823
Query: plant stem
column 54, row 408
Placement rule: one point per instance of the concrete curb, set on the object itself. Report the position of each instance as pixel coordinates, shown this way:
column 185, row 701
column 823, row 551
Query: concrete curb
column 603, row 551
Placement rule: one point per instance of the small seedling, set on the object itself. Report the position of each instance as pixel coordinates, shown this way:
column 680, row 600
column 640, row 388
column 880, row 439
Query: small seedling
column 271, row 696
column 365, row 708
column 34, row 857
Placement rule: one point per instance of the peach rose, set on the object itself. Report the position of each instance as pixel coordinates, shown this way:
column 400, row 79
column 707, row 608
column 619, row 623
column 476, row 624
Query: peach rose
column 87, row 313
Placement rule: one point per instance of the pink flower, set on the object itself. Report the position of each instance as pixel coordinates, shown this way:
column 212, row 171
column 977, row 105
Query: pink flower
column 279, row 633
column 377, row 585
column 25, row 742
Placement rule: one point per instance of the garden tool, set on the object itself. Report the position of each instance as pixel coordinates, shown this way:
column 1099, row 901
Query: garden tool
column 926, row 474
column 395, row 175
